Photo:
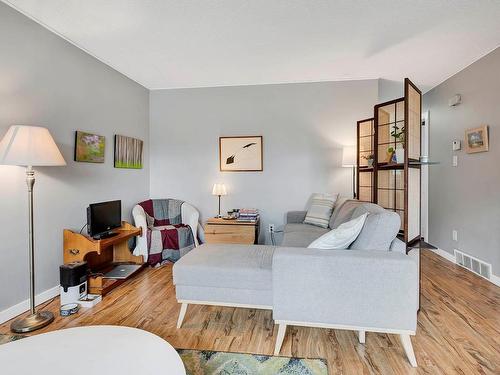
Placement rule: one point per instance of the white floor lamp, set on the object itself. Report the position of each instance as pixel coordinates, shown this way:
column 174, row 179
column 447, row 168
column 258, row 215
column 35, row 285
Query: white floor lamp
column 349, row 160
column 30, row 146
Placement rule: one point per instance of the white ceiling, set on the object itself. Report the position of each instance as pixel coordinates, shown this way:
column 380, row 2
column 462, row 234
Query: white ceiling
column 196, row 43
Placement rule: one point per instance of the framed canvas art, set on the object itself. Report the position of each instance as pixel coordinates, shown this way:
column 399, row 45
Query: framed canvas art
column 240, row 154
column 128, row 152
column 476, row 139
column 89, row 148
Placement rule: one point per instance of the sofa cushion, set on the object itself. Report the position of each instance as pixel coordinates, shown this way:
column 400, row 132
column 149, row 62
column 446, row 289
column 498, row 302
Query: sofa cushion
column 226, row 266
column 341, row 237
column 301, row 238
column 380, row 229
column 321, row 209
column 344, row 212
column 304, row 228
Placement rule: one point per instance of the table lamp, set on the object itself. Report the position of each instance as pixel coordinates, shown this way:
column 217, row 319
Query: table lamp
column 219, row 190
column 30, row 146
column 349, row 160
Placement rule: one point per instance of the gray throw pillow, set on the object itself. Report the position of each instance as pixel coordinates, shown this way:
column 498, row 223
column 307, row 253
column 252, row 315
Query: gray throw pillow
column 379, row 231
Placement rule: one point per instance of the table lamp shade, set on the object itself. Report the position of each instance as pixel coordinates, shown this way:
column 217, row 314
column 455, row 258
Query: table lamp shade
column 349, row 156
column 219, row 189
column 29, row 146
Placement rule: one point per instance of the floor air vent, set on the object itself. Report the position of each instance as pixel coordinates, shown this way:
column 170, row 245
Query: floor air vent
column 473, row 264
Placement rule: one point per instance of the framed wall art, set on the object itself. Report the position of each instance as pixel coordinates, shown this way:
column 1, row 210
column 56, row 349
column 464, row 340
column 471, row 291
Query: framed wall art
column 241, row 154
column 476, row 139
column 89, row 148
column 128, row 152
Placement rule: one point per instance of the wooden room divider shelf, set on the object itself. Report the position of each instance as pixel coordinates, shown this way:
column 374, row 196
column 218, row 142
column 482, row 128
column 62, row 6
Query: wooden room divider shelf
column 101, row 255
column 393, row 185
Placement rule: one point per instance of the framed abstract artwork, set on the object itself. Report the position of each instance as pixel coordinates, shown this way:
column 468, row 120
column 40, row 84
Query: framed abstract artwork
column 128, row 152
column 89, row 148
column 476, row 139
column 240, row 154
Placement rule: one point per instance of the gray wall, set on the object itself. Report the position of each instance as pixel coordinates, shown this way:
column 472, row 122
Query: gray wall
column 467, row 197
column 48, row 82
column 304, row 127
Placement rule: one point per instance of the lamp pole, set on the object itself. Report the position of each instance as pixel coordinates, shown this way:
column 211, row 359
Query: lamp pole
column 35, row 320
column 219, row 206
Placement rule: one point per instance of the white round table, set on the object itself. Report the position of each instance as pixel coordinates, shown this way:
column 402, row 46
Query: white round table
column 88, row 350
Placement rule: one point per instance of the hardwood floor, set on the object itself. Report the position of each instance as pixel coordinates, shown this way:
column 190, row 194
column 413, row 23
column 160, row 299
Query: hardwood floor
column 458, row 325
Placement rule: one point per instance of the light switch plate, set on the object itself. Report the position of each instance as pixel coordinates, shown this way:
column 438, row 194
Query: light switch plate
column 455, row 161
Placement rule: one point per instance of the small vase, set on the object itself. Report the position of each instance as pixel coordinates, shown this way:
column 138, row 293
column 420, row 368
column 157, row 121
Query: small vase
column 400, row 155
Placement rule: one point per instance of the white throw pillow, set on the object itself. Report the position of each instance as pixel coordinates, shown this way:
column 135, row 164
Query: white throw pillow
column 342, row 236
column 321, row 210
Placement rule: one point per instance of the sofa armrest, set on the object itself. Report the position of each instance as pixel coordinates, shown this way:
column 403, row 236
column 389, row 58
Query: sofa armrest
column 351, row 288
column 295, row 217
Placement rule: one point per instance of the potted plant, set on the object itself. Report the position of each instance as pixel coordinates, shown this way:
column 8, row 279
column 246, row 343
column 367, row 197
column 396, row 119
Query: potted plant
column 399, row 135
column 390, row 155
column 370, row 158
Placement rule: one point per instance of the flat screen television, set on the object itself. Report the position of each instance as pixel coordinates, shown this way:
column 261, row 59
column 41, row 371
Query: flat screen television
column 103, row 217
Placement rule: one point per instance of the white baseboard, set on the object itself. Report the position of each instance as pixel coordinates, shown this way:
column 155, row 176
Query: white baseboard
column 494, row 279
column 23, row 306
column 446, row 255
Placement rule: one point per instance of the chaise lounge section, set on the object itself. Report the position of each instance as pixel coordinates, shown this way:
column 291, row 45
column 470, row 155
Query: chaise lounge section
column 370, row 290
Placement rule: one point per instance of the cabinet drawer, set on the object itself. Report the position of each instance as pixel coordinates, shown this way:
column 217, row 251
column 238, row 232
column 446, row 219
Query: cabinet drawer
column 243, row 234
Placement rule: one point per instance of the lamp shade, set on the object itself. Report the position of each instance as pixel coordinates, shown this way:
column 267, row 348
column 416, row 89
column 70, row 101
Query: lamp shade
column 349, row 156
column 219, row 189
column 29, row 146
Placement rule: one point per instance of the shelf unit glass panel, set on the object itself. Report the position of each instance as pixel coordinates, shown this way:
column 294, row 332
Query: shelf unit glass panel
column 366, row 151
column 390, row 190
column 386, row 114
column 365, row 144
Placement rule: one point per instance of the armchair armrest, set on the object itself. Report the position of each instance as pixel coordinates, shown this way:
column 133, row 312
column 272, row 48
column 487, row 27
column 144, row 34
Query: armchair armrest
column 190, row 216
column 295, row 217
column 372, row 289
column 141, row 247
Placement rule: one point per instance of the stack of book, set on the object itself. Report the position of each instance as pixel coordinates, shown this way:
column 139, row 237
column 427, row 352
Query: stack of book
column 248, row 215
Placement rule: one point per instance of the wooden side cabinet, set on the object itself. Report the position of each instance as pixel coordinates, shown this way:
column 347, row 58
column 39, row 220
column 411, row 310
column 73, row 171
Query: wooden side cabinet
column 231, row 231
column 101, row 255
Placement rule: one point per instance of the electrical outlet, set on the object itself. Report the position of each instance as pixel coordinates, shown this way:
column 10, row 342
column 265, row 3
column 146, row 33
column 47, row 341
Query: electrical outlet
column 271, row 228
column 454, row 235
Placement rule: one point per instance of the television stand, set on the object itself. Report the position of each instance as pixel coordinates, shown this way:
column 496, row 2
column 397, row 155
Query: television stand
column 102, row 255
column 104, row 236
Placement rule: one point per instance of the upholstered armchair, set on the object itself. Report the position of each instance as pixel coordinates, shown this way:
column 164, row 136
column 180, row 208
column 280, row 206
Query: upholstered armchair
column 189, row 216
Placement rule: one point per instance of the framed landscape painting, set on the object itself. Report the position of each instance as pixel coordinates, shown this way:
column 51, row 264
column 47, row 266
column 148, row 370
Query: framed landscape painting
column 476, row 140
column 89, row 147
column 128, row 152
column 240, row 154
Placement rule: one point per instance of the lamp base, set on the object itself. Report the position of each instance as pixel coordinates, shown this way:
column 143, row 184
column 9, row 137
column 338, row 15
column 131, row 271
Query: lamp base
column 32, row 322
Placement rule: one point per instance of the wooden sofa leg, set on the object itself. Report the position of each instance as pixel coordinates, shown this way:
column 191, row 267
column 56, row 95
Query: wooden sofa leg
column 406, row 342
column 182, row 313
column 362, row 337
column 280, row 338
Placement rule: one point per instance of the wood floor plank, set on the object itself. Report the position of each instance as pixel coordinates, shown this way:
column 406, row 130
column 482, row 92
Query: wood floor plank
column 458, row 325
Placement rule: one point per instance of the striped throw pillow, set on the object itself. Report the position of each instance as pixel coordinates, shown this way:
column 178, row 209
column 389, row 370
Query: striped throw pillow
column 321, row 210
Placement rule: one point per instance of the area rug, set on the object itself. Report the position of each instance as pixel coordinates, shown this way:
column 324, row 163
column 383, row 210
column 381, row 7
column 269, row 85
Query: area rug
column 8, row 338
column 205, row 362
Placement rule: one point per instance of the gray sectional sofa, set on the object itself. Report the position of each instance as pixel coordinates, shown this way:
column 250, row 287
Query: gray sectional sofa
column 370, row 287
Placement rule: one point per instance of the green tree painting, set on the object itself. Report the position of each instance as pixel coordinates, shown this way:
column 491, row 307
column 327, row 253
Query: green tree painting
column 128, row 152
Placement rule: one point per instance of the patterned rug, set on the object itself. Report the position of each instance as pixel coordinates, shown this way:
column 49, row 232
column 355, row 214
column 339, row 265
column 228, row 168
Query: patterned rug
column 8, row 338
column 204, row 362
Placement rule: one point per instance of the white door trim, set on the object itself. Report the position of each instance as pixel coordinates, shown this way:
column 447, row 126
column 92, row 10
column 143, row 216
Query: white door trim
column 424, row 193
